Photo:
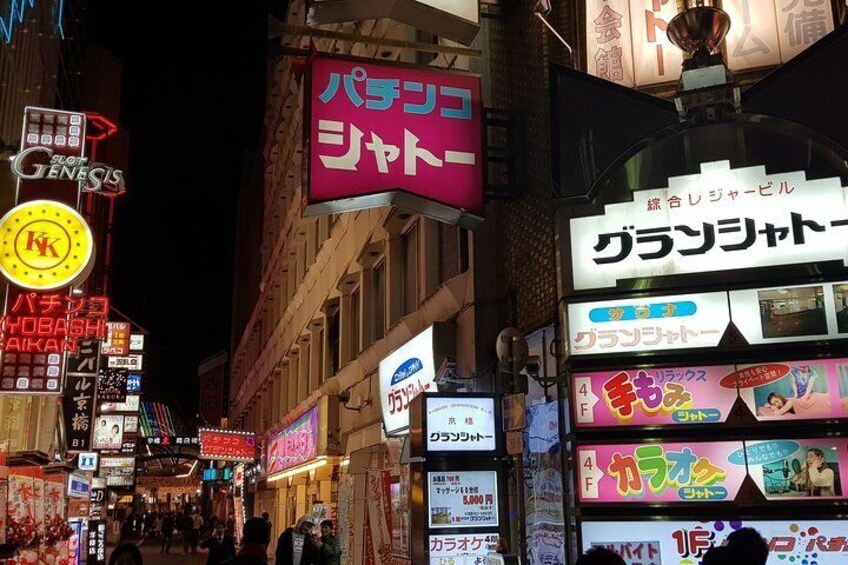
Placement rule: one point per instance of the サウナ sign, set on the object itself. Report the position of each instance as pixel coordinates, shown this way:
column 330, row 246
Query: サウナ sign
column 681, row 321
column 386, row 134
column 720, row 219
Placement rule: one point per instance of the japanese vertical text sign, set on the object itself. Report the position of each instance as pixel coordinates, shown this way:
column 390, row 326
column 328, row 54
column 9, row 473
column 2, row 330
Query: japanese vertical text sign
column 717, row 220
column 609, row 45
column 380, row 128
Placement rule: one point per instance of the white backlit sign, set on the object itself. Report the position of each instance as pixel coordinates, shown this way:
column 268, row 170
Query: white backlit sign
column 460, row 424
column 131, row 362
column 136, row 342
column 820, row 541
column 787, row 314
column 463, row 499
column 406, row 373
column 718, row 220
column 461, row 549
column 681, row 321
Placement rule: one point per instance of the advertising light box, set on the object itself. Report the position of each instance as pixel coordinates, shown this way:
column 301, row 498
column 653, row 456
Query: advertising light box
column 651, row 397
column 295, row 445
column 460, row 424
column 685, row 543
column 670, row 472
column 463, row 499
column 798, row 469
column 794, row 390
column 404, row 374
column 383, row 134
column 789, row 314
column 462, row 549
column 654, row 323
column 227, row 445
column 717, row 220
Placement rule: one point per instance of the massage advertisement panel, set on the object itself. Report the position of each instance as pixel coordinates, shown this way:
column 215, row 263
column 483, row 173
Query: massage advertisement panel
column 798, row 542
column 798, row 469
column 650, row 473
column 653, row 397
column 794, row 390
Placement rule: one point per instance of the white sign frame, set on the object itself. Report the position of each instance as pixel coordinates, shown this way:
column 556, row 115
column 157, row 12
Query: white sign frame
column 711, row 315
column 448, row 418
column 409, row 368
column 92, row 456
column 691, row 201
column 485, row 481
column 130, row 362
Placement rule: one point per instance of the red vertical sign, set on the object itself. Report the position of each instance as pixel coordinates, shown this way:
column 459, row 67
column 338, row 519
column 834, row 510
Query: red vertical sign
column 63, row 133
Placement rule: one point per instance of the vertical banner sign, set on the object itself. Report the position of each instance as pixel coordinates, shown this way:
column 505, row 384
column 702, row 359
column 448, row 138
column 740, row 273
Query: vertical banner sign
column 752, row 41
column 79, row 401
column 656, row 59
column 96, row 542
column 98, row 499
column 61, row 135
column 379, row 512
column 117, row 339
column 801, row 23
column 375, row 129
column 346, row 525
column 609, row 42
column 544, row 520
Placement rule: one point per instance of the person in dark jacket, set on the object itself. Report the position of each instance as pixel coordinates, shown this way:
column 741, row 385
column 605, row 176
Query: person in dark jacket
column 254, row 547
column 221, row 546
column 167, row 532
column 330, row 552
column 299, row 539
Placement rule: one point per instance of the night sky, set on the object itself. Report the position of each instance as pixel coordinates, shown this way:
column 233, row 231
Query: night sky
column 193, row 102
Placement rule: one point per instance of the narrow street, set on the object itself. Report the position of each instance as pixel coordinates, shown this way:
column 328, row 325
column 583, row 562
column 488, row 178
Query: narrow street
column 152, row 555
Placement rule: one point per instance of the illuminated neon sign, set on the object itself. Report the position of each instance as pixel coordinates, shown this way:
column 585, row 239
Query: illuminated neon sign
column 17, row 15
column 52, row 323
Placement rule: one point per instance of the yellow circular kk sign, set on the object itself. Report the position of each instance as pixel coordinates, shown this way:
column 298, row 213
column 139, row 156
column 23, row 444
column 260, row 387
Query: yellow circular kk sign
column 45, row 245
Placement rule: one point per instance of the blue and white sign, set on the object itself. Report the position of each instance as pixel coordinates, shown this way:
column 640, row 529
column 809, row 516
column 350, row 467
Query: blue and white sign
column 78, row 487
column 88, row 461
column 134, row 382
column 406, row 373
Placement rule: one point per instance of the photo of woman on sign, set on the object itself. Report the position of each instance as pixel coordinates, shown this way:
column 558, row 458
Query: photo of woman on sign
column 817, row 477
column 801, row 393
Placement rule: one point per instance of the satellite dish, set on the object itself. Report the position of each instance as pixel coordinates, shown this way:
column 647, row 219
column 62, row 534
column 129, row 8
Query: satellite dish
column 512, row 350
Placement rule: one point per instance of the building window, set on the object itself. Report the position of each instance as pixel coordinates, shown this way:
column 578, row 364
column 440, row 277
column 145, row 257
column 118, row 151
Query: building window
column 453, row 251
column 355, row 326
column 410, row 270
column 333, row 342
column 319, row 344
column 379, row 326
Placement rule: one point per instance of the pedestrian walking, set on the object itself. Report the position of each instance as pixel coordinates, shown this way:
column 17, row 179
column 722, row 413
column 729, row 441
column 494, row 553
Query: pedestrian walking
column 749, row 545
column 196, row 526
column 330, row 552
column 167, row 532
column 221, row 546
column 267, row 518
column 186, row 525
column 253, row 549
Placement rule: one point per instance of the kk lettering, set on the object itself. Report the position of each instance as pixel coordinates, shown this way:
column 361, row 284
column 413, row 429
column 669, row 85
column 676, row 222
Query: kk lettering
column 42, row 243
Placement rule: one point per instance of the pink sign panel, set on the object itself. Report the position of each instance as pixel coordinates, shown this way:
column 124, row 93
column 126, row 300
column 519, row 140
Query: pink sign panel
column 804, row 470
column 794, row 390
column 377, row 128
column 650, row 473
column 295, row 445
column 651, row 397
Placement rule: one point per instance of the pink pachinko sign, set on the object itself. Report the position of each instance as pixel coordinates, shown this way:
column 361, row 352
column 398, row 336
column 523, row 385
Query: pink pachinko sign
column 651, row 397
column 387, row 134
column 659, row 472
